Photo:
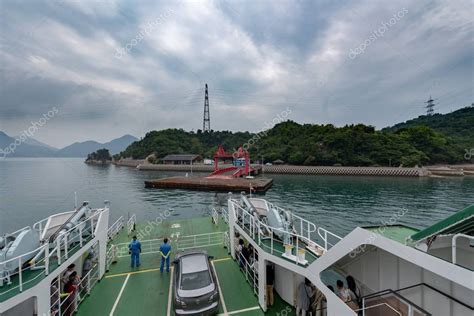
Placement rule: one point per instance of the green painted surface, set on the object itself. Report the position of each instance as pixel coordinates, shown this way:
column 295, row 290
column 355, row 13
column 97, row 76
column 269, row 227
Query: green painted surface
column 460, row 222
column 237, row 292
column 102, row 297
column 145, row 294
column 399, row 233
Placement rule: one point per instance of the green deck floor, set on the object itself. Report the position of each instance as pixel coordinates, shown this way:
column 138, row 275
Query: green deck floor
column 399, row 233
column 147, row 290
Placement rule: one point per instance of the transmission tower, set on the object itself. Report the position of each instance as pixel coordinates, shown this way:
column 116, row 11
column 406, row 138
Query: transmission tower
column 430, row 107
column 206, row 124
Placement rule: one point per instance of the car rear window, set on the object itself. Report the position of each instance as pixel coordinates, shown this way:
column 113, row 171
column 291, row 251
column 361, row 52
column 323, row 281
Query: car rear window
column 195, row 280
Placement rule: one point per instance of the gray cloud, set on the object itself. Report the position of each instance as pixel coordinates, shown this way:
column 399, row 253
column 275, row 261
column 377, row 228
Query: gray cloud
column 258, row 58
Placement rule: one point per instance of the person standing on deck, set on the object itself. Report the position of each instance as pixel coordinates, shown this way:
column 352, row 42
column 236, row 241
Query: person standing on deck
column 134, row 249
column 270, row 270
column 165, row 251
column 303, row 297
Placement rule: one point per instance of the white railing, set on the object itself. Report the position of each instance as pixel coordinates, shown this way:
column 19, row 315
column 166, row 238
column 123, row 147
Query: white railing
column 325, row 235
column 215, row 216
column 225, row 215
column 115, row 228
column 297, row 241
column 131, row 224
column 364, row 309
column 182, row 243
column 60, row 249
column 250, row 272
column 259, row 232
column 111, row 256
column 303, row 227
column 70, row 303
column 201, row 240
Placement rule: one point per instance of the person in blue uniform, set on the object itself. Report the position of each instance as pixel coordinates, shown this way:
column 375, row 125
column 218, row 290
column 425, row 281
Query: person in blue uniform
column 134, row 249
column 165, row 252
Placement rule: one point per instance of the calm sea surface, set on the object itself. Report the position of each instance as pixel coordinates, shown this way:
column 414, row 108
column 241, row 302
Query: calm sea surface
column 33, row 188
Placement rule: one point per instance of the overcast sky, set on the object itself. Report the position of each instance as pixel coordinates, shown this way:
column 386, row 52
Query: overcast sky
column 117, row 67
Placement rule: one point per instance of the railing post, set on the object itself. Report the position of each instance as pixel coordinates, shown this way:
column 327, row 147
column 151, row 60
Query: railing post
column 46, row 259
column 363, row 306
column 326, row 240
column 297, row 253
column 65, row 247
column 271, row 244
column 58, row 249
column 92, row 226
column 80, row 235
column 89, row 282
column 20, row 273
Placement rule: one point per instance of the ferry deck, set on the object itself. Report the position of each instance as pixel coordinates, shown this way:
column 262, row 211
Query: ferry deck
column 146, row 291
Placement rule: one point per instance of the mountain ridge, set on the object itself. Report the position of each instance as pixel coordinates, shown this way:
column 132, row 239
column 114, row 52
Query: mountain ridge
column 31, row 147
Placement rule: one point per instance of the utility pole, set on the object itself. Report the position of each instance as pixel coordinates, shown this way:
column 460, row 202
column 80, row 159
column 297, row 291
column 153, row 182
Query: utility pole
column 430, row 107
column 206, row 124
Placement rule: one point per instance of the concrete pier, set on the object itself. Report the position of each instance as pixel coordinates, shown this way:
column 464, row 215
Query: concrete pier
column 259, row 185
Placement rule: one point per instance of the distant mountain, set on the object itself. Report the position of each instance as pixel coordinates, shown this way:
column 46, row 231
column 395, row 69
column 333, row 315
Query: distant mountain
column 458, row 125
column 10, row 147
column 33, row 148
column 82, row 149
column 34, row 142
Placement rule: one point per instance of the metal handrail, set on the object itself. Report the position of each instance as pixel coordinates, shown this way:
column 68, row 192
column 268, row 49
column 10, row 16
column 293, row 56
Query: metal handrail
column 45, row 247
column 131, row 223
column 255, row 231
column 325, row 237
column 215, row 216
column 116, row 227
column 153, row 245
column 402, row 298
column 377, row 305
column 438, row 291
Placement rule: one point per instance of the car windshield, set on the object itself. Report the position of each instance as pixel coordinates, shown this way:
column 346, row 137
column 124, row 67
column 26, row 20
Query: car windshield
column 195, row 280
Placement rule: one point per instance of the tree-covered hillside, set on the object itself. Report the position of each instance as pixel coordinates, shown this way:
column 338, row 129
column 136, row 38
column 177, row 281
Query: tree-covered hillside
column 459, row 125
column 426, row 140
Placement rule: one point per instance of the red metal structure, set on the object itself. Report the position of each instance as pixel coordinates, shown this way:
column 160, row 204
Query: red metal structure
column 222, row 154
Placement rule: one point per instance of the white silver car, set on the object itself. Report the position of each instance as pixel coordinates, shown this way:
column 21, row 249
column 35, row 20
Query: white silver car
column 194, row 283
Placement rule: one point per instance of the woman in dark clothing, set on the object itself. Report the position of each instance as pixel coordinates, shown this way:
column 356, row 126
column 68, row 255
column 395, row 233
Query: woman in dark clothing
column 70, row 288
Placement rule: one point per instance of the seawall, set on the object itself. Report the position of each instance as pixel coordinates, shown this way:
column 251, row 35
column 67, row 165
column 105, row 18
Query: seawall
column 308, row 170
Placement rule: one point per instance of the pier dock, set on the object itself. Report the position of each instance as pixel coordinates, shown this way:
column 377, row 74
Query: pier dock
column 259, row 185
